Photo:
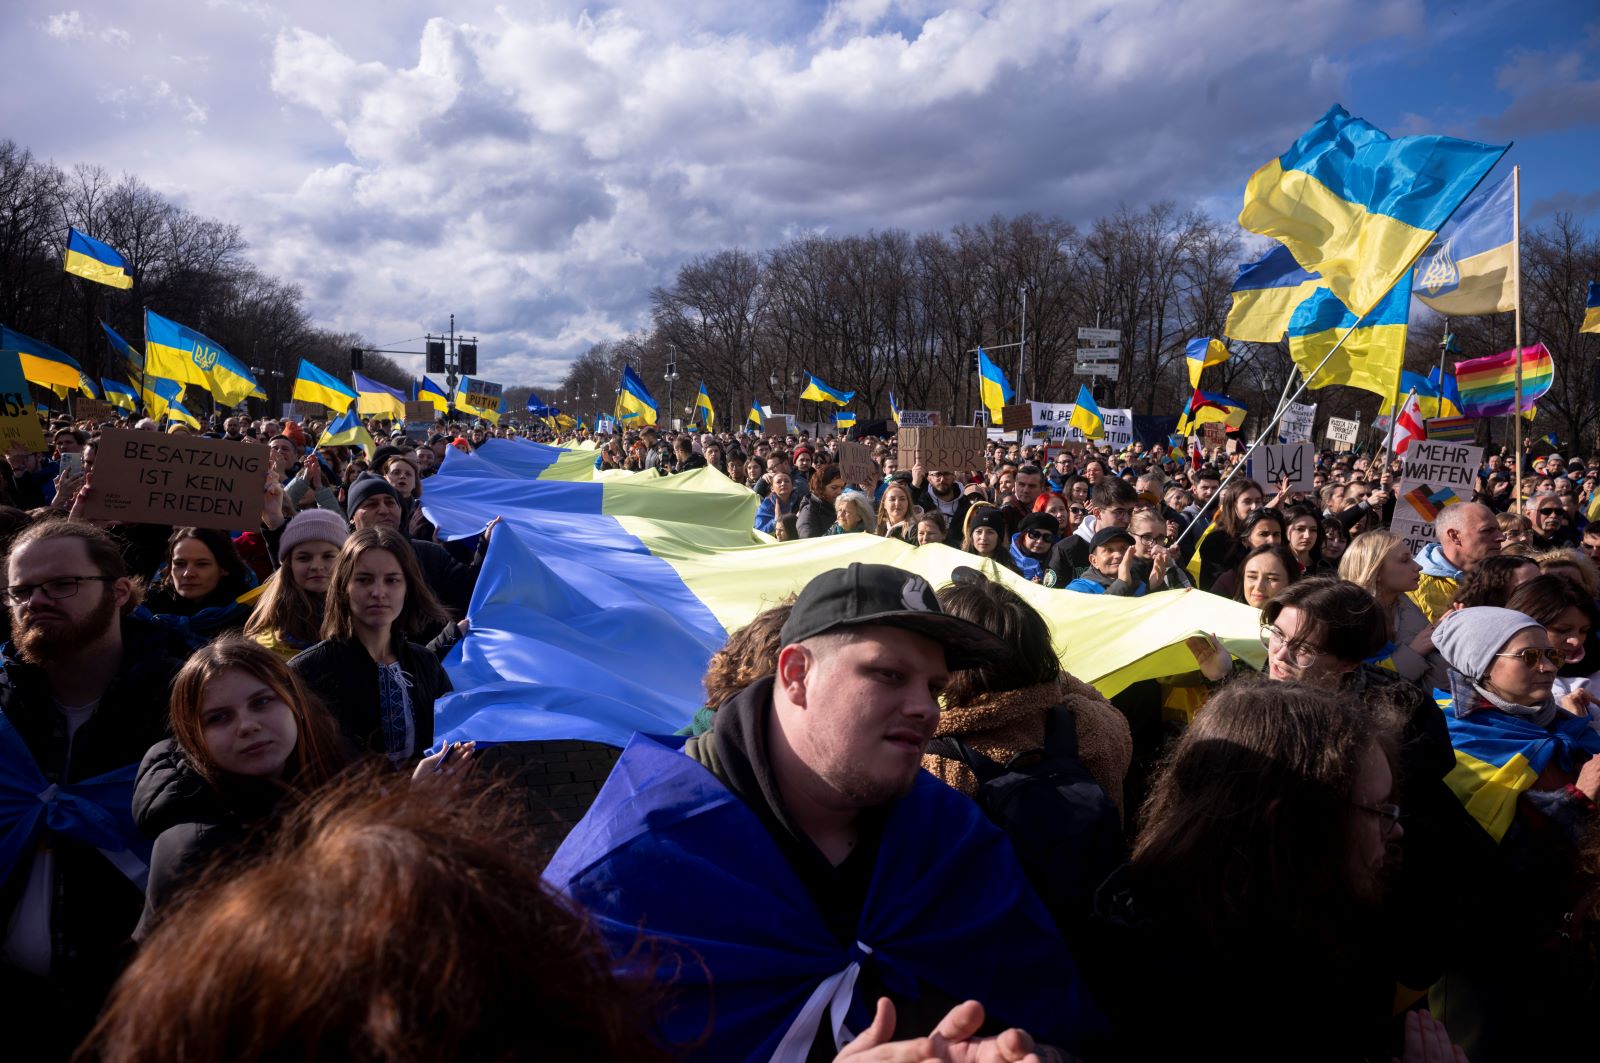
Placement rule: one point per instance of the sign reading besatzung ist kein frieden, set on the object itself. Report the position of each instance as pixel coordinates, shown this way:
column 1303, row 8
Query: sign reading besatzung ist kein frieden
column 152, row 478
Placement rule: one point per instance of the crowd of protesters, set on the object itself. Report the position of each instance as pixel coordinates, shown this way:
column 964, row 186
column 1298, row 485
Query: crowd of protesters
column 1382, row 843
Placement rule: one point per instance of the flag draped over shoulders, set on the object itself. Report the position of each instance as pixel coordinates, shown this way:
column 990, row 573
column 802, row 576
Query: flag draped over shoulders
column 669, row 849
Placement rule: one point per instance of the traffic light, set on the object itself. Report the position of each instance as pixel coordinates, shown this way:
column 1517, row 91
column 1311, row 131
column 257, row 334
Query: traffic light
column 436, row 356
column 355, row 359
column 468, row 359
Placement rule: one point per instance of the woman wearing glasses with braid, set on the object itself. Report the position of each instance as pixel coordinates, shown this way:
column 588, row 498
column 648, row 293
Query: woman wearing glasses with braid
column 1322, row 631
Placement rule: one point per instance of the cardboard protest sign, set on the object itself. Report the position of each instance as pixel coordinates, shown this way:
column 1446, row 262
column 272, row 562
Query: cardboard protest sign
column 1214, row 433
column 1269, row 465
column 955, row 449
column 779, row 424
column 1343, row 430
column 152, row 478
column 1435, row 475
column 19, row 419
column 919, row 419
column 481, row 394
column 856, row 464
column 94, row 410
column 420, row 411
column 1017, row 417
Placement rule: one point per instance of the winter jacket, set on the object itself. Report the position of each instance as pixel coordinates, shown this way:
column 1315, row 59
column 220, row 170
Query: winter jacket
column 1095, row 582
column 1437, row 584
column 199, row 621
column 815, row 517
column 95, row 906
column 191, row 821
column 343, row 674
column 770, row 510
column 449, row 580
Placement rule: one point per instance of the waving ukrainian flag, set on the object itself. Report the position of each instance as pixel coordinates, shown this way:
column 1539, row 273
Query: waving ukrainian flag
column 1207, row 407
column 426, row 390
column 177, row 412
column 377, row 399
column 160, row 395
column 1358, row 206
column 313, row 385
column 817, row 391
column 1086, row 415
column 894, row 407
column 844, row 419
column 1591, row 309
column 46, row 366
column 97, row 261
column 1265, row 295
column 1468, row 268
column 177, row 352
column 1202, row 352
column 346, row 430
column 702, row 403
column 993, row 388
column 1370, row 359
column 123, row 349
column 635, row 405
column 120, row 395
column 757, row 415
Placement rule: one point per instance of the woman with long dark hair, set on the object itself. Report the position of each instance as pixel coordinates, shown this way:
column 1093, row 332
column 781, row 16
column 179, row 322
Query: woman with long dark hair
column 1220, row 545
column 205, row 589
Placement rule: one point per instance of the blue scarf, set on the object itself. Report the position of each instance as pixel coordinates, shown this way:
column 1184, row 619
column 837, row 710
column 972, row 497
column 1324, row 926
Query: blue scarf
column 97, row 812
column 1028, row 567
column 668, row 849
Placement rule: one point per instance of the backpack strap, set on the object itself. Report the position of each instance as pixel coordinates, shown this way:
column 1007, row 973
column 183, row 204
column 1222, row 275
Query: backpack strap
column 955, row 749
column 1061, row 732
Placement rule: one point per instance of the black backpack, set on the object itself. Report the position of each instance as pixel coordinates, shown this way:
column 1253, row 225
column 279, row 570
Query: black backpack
column 1062, row 824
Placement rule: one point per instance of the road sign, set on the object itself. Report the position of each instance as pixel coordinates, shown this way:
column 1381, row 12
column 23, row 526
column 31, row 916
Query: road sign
column 1100, row 335
column 1111, row 372
column 1099, row 354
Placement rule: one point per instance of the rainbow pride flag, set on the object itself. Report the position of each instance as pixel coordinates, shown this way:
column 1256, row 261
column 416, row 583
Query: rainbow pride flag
column 1451, row 429
column 1488, row 384
column 1429, row 502
column 605, row 593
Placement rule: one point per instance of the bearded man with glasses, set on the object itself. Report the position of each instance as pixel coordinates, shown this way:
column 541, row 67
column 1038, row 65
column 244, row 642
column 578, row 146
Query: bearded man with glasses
column 83, row 695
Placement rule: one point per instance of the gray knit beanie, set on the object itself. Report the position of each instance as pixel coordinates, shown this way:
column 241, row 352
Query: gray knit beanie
column 1468, row 639
column 313, row 525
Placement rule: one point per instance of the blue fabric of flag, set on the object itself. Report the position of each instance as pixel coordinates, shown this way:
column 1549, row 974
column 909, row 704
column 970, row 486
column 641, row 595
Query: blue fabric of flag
column 123, row 348
column 668, row 848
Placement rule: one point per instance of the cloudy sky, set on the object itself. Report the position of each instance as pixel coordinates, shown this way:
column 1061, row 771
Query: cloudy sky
column 536, row 167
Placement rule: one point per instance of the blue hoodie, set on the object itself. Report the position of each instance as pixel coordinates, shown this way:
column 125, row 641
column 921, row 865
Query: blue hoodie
column 1434, row 563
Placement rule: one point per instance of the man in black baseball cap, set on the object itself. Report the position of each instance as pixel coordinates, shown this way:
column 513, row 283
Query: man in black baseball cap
column 834, row 820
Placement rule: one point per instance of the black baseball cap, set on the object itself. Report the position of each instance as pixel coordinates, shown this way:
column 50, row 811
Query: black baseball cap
column 864, row 594
column 1107, row 535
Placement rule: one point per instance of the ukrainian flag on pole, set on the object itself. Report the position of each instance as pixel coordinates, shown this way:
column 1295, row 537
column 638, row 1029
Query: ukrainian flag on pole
column 120, row 395
column 426, row 390
column 817, row 391
column 1086, row 415
column 1202, row 352
column 1358, row 206
column 376, row 399
column 634, row 401
column 844, row 419
column 993, row 387
column 757, row 415
column 313, row 385
column 1265, row 295
column 1591, row 309
column 1370, row 359
column 177, row 352
column 96, row 261
column 702, row 401
column 894, row 407
column 346, row 430
column 123, row 348
column 1468, row 267
column 46, row 366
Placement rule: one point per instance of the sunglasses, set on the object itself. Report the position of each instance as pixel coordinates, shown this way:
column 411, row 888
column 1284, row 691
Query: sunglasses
column 1548, row 512
column 1037, row 533
column 1076, row 511
column 1530, row 656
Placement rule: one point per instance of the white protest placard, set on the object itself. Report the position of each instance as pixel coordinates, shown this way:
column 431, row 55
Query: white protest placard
column 1297, row 422
column 1056, row 418
column 1270, row 465
column 920, row 419
column 1435, row 475
column 1119, row 427
column 1343, row 430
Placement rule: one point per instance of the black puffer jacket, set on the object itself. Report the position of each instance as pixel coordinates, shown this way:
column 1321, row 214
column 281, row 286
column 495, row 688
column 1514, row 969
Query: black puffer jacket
column 343, row 674
column 193, row 823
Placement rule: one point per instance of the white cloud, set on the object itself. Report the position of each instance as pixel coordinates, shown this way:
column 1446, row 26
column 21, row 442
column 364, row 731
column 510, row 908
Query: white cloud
column 72, row 26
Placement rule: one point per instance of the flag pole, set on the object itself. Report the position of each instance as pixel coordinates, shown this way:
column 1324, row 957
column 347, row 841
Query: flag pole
column 1516, row 296
column 1394, row 417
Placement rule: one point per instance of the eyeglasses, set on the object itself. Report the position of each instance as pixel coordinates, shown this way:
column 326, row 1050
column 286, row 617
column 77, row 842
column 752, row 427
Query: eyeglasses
column 1154, row 540
column 1388, row 816
column 1530, row 655
column 58, row 588
column 1076, row 511
column 1298, row 654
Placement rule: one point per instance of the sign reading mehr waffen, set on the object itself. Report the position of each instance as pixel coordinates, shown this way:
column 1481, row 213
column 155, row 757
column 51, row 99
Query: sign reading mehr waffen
column 152, row 478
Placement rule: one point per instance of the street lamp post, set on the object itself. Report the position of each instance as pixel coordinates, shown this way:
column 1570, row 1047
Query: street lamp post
column 671, row 378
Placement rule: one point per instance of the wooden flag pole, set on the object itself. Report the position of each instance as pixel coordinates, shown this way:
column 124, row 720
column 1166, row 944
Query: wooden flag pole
column 1516, row 295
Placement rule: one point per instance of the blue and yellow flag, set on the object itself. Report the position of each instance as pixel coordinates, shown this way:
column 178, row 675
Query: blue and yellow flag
column 844, row 419
column 757, row 415
column 993, row 388
column 1468, row 267
column 817, row 391
column 1370, row 359
column 702, row 403
column 463, row 402
column 159, row 394
column 313, row 385
column 177, row 352
column 176, row 412
column 1207, row 407
column 636, row 407
column 1591, row 309
column 97, row 261
column 123, row 349
column 1448, row 391
column 425, row 390
column 1358, row 206
column 346, row 430
column 46, row 366
column 120, row 395
column 377, row 399
column 1265, row 295
column 1086, row 415
column 894, row 407
column 1201, row 352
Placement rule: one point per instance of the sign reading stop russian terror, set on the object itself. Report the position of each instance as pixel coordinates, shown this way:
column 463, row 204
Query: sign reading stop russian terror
column 955, row 449
column 188, row 481
column 1436, row 475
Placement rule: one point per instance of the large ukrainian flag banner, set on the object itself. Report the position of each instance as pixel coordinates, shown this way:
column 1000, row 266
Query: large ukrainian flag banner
column 177, row 352
column 1358, row 206
column 601, row 600
column 1370, row 359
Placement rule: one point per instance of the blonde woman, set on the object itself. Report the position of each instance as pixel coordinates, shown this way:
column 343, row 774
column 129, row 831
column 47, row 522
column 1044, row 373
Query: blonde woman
column 1379, row 562
column 897, row 514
